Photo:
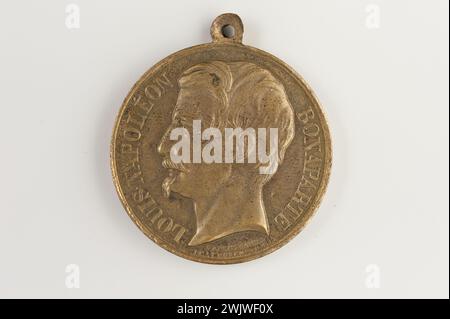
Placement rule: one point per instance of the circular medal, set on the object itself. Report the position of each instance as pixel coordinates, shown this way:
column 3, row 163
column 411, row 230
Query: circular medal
column 221, row 152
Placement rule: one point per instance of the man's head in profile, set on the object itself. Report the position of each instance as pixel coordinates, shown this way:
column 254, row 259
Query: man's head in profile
column 227, row 196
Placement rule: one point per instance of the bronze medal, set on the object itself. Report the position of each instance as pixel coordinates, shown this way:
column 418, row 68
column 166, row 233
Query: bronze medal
column 221, row 152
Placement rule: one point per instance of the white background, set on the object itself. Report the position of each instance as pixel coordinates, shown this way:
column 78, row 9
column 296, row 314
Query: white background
column 385, row 91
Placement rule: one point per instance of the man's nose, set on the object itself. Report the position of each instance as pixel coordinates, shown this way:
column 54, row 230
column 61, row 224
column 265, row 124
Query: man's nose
column 163, row 147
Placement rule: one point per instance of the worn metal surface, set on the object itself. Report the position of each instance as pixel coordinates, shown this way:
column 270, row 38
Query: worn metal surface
column 220, row 213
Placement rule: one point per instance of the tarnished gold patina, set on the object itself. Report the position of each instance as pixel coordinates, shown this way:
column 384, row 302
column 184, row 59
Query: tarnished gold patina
column 220, row 213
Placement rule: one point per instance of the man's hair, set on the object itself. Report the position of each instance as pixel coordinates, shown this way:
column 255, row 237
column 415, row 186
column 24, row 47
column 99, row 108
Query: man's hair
column 247, row 96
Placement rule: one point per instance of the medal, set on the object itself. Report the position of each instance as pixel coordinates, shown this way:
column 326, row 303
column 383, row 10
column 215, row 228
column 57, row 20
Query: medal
column 221, row 152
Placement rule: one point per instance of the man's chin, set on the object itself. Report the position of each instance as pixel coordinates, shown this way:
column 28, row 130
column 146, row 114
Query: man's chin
column 174, row 188
column 167, row 185
column 170, row 186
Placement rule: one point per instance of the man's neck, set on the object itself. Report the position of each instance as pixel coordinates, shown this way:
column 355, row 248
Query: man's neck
column 228, row 212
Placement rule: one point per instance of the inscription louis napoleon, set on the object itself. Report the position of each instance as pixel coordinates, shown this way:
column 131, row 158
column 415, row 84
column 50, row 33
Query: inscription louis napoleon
column 221, row 152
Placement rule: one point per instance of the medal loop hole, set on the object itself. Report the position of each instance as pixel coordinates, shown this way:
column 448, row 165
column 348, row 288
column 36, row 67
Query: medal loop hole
column 228, row 31
column 227, row 27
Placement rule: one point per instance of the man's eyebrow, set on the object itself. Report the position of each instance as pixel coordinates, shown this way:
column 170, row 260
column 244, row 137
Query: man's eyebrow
column 178, row 117
column 176, row 113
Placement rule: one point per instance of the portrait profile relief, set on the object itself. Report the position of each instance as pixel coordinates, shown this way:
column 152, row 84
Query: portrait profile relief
column 239, row 97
